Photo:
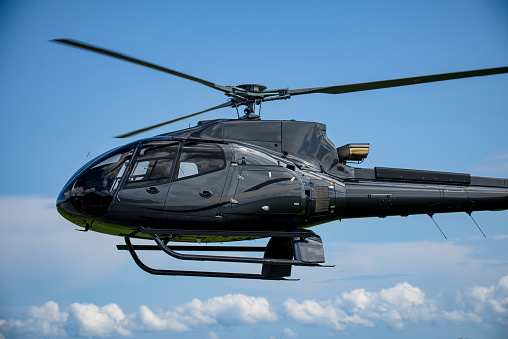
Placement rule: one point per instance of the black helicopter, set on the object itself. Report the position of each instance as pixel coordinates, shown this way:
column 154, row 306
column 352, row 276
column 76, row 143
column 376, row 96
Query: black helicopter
column 240, row 179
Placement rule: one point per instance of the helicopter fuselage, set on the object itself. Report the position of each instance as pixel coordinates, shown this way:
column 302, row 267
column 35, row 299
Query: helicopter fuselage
column 227, row 180
column 242, row 175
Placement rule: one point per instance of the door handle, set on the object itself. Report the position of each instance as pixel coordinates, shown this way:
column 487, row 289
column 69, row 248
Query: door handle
column 205, row 194
column 152, row 190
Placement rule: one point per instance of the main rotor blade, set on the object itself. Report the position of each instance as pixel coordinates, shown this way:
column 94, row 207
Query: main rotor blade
column 141, row 62
column 366, row 86
column 226, row 104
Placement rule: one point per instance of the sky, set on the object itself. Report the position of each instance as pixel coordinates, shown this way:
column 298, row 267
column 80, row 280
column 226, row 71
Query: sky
column 393, row 277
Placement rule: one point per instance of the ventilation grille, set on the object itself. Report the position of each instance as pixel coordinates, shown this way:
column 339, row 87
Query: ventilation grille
column 322, row 199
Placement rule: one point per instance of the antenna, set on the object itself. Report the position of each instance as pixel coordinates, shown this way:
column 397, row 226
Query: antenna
column 469, row 213
column 431, row 215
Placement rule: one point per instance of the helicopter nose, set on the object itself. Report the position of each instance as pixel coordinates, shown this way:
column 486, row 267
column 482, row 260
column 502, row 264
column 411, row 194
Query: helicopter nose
column 63, row 202
column 67, row 210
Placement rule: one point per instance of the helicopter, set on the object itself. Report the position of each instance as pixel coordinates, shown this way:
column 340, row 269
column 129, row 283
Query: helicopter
column 231, row 180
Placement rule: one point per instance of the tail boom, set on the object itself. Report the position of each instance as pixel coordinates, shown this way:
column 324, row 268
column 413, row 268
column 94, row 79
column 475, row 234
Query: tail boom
column 383, row 191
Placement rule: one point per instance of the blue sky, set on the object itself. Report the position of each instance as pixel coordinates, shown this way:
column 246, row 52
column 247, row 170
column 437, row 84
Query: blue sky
column 394, row 277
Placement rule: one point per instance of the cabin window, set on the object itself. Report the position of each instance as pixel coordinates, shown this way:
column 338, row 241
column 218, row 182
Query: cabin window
column 186, row 169
column 153, row 163
column 197, row 159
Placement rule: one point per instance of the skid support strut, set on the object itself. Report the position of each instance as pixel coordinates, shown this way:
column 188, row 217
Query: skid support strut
column 194, row 273
column 277, row 261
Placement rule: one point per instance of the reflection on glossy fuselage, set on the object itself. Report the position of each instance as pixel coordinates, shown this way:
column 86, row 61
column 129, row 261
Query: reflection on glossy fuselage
column 166, row 184
column 199, row 180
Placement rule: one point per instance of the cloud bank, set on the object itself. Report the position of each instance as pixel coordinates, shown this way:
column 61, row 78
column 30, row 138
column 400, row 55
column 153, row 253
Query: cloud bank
column 403, row 305
column 88, row 320
column 399, row 306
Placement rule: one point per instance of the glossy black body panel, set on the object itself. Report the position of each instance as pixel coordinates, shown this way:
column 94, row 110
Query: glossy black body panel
column 394, row 191
column 303, row 142
column 423, row 176
column 267, row 191
column 251, row 175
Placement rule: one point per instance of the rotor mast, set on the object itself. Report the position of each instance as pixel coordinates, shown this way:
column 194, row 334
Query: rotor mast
column 249, row 93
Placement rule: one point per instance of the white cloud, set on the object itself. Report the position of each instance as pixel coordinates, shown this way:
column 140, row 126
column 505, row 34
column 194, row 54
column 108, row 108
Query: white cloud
column 460, row 317
column 94, row 321
column 231, row 308
column 167, row 321
column 47, row 319
column 82, row 320
column 398, row 306
column 49, row 311
column 88, row 320
column 500, row 237
column 325, row 313
column 487, row 304
column 289, row 333
column 402, row 305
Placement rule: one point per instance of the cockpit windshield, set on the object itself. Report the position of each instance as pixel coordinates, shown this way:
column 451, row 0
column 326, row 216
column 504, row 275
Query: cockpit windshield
column 93, row 189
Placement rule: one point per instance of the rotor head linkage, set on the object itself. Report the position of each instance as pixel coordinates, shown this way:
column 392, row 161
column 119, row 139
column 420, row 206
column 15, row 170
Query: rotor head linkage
column 249, row 95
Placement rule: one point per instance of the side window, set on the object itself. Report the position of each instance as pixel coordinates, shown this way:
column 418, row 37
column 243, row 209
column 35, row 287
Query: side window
column 153, row 164
column 197, row 159
column 186, row 169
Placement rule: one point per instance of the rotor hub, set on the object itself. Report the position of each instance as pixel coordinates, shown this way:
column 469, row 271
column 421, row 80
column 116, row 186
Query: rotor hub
column 256, row 88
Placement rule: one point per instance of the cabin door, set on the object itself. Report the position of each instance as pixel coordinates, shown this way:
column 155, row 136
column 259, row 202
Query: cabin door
column 198, row 184
column 141, row 199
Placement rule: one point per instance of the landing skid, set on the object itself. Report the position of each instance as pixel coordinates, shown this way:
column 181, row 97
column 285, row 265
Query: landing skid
column 304, row 246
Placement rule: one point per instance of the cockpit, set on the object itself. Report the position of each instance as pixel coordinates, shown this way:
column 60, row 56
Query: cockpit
column 150, row 165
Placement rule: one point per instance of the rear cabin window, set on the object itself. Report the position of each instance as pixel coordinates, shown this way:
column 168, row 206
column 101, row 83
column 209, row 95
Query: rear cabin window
column 197, row 159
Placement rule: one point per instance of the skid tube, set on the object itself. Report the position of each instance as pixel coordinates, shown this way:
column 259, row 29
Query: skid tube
column 267, row 273
column 196, row 273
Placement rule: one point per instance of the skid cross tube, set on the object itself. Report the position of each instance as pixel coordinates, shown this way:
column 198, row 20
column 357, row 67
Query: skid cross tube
column 197, row 257
column 150, row 270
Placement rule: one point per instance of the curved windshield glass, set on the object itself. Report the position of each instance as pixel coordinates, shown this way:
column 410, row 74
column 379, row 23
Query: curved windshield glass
column 94, row 187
